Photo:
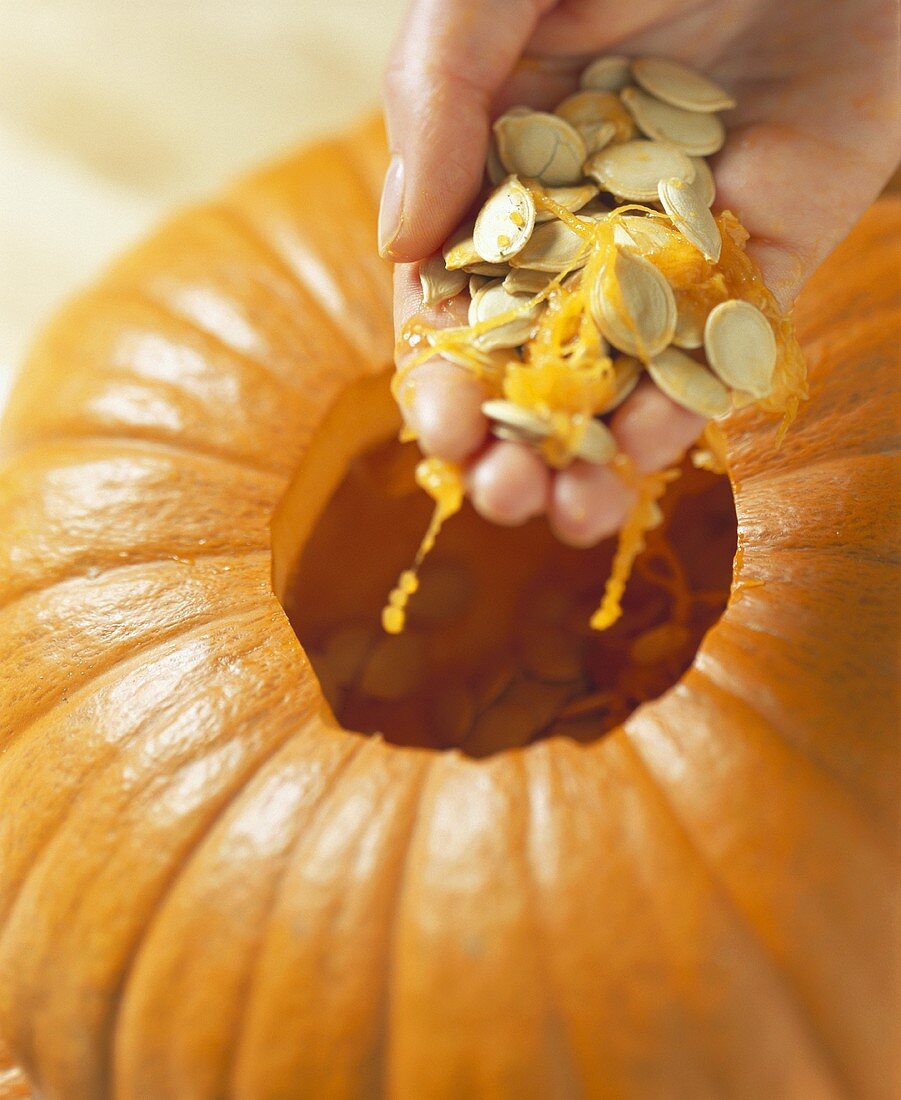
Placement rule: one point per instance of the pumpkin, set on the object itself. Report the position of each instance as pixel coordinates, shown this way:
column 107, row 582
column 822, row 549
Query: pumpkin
column 210, row 888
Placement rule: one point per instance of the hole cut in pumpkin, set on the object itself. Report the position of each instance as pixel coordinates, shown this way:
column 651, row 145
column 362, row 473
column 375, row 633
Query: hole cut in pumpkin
column 497, row 651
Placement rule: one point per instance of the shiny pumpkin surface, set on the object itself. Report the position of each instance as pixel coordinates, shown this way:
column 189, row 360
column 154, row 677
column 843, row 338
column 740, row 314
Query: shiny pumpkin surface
column 206, row 889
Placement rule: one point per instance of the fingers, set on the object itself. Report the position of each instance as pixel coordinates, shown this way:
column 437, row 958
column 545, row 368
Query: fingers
column 653, row 430
column 540, row 81
column 589, row 503
column 509, row 483
column 440, row 401
column 585, row 503
column 449, row 61
column 445, row 410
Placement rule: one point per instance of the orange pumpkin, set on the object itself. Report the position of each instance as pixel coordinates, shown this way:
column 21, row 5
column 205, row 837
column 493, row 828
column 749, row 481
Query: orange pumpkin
column 208, row 888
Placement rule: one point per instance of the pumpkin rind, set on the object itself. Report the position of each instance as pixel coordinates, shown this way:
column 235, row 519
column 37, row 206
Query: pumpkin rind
column 207, row 890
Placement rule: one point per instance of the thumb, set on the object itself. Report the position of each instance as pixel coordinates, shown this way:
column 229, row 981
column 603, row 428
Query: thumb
column 449, row 60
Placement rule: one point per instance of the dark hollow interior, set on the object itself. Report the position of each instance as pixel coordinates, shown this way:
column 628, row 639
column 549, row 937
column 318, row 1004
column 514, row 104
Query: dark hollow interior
column 497, row 652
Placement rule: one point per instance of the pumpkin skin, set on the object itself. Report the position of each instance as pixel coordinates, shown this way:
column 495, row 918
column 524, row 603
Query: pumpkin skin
column 208, row 890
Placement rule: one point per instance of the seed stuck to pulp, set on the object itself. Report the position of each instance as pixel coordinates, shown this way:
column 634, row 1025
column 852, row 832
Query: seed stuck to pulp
column 633, row 306
column 626, row 372
column 689, row 383
column 493, row 302
column 553, row 247
column 598, row 116
column 642, row 235
column 691, row 216
column 570, row 198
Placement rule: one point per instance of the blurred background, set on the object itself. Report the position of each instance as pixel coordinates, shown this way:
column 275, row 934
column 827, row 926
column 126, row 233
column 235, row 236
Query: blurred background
column 113, row 112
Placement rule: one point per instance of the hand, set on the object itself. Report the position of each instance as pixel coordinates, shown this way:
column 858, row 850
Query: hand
column 813, row 140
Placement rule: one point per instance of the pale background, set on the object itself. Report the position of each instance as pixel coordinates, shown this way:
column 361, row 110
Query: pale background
column 113, row 112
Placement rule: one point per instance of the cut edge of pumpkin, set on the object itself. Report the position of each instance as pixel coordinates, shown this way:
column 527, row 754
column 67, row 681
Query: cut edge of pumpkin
column 363, row 415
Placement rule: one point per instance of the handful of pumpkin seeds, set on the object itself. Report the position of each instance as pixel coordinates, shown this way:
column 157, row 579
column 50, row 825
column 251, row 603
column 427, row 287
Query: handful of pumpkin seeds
column 560, row 264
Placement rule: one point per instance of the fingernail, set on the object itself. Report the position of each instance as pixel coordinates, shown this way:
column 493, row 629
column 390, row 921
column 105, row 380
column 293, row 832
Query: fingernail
column 392, row 204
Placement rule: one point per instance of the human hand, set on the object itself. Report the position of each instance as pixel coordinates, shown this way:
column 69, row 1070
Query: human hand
column 813, row 140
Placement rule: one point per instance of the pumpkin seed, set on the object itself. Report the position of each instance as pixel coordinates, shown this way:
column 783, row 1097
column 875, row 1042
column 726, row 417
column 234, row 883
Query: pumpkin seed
column 689, row 325
column 597, row 444
column 505, row 222
column 679, row 85
column 494, row 362
column 522, row 280
column 626, row 372
column 689, row 383
column 526, row 708
column 641, row 234
column 633, row 169
column 540, row 146
column 703, row 181
column 459, row 250
column 493, row 681
column 592, row 113
column 597, row 703
column 476, row 282
column 599, row 207
column 513, row 417
column 446, row 592
column 515, row 435
column 472, row 316
column 453, row 713
column 570, row 198
column 741, row 400
column 697, row 134
column 493, row 301
column 606, row 74
column 599, row 137
column 439, row 284
column 345, row 650
column 549, row 604
column 492, row 271
column 642, row 321
column 552, row 655
column 573, row 279
column 499, row 728
column 741, row 347
column 691, row 216
column 659, row 642
column 395, row 667
column 553, row 247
